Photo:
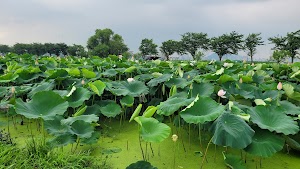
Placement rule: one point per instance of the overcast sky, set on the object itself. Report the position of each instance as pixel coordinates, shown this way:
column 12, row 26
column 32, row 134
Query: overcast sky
column 74, row 21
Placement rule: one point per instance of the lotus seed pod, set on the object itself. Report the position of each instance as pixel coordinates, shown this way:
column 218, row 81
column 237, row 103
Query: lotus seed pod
column 13, row 89
column 174, row 137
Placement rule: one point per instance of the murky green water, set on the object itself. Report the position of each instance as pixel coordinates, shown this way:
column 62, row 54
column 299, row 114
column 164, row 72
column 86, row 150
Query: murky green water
column 121, row 145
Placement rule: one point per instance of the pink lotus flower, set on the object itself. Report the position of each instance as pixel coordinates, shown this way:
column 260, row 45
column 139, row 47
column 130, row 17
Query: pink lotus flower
column 279, row 86
column 221, row 93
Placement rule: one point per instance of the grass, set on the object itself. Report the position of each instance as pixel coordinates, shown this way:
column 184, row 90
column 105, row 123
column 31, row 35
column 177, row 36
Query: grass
column 37, row 155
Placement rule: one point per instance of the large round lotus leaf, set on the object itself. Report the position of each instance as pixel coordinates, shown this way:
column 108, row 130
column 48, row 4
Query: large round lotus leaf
column 172, row 104
column 45, row 105
column 141, row 165
column 293, row 142
column 134, row 89
column 130, row 69
column 273, row 119
column 264, row 143
column 62, row 140
column 234, row 162
column 110, row 72
column 289, row 108
column 88, row 74
column 111, row 110
column 56, row 73
column 94, row 109
column 179, row 82
column 45, row 86
column 55, row 127
column 93, row 139
column 127, row 101
column 75, row 72
column 82, row 129
column 152, row 130
column 201, row 110
column 78, row 97
column 86, row 118
column 226, row 78
column 97, row 87
column 9, row 77
column 156, row 81
column 25, row 76
column 230, row 130
column 202, row 89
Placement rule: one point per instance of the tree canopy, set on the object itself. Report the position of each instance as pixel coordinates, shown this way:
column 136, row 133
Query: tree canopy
column 105, row 42
column 226, row 44
column 251, row 42
column 192, row 42
column 147, row 47
column 169, row 47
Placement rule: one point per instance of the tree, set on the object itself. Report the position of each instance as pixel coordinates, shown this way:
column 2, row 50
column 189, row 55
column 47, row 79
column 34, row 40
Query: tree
column 251, row 42
column 4, row 49
column 279, row 55
column 192, row 42
column 226, row 44
column 147, row 47
column 169, row 47
column 105, row 42
column 76, row 50
column 21, row 48
column 291, row 43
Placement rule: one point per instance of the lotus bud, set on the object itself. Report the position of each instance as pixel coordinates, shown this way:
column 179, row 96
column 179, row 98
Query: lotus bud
column 36, row 62
column 188, row 76
column 279, row 86
column 221, row 93
column 226, row 64
column 252, row 64
column 241, row 80
column 129, row 80
column 82, row 82
column 174, row 137
column 120, row 57
column 13, row 90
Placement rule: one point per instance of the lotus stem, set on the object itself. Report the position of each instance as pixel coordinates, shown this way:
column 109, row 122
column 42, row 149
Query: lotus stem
column 141, row 148
column 152, row 150
column 189, row 136
column 174, row 162
column 204, row 157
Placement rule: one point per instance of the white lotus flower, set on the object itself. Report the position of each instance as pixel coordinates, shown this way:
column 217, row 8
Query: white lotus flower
column 129, row 80
column 120, row 57
column 226, row 64
column 241, row 80
column 221, row 93
column 13, row 89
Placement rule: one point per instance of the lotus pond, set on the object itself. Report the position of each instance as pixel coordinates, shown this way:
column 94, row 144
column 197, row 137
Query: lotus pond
column 178, row 114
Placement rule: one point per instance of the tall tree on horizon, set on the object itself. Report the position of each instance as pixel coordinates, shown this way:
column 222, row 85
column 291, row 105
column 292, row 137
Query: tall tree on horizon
column 251, row 42
column 192, row 42
column 291, row 43
column 169, row 47
column 147, row 47
column 227, row 44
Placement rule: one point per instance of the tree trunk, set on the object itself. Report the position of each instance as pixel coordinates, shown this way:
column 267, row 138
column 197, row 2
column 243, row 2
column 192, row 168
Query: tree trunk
column 251, row 56
column 220, row 57
column 292, row 59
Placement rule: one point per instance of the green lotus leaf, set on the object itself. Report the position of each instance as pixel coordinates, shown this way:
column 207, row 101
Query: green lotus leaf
column 179, row 82
column 230, row 130
column 234, row 162
column 93, row 139
column 78, row 96
column 88, row 74
column 82, row 129
column 80, row 111
column 75, row 72
column 273, row 119
column 45, row 86
column 97, row 87
column 111, row 110
column 293, row 143
column 149, row 111
column 134, row 89
column 289, row 108
column 226, row 78
column 86, row 118
column 130, row 69
column 9, row 77
column 141, row 164
column 152, row 130
column 56, row 74
column 127, row 101
column 136, row 112
column 55, row 127
column 172, row 104
column 62, row 140
column 247, row 79
column 45, row 105
column 202, row 89
column 201, row 110
column 110, row 73
column 25, row 76
column 4, row 91
column 156, row 81
column 264, row 143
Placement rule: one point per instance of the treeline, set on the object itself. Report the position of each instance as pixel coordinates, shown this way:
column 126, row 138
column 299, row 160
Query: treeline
column 105, row 42
column 46, row 48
